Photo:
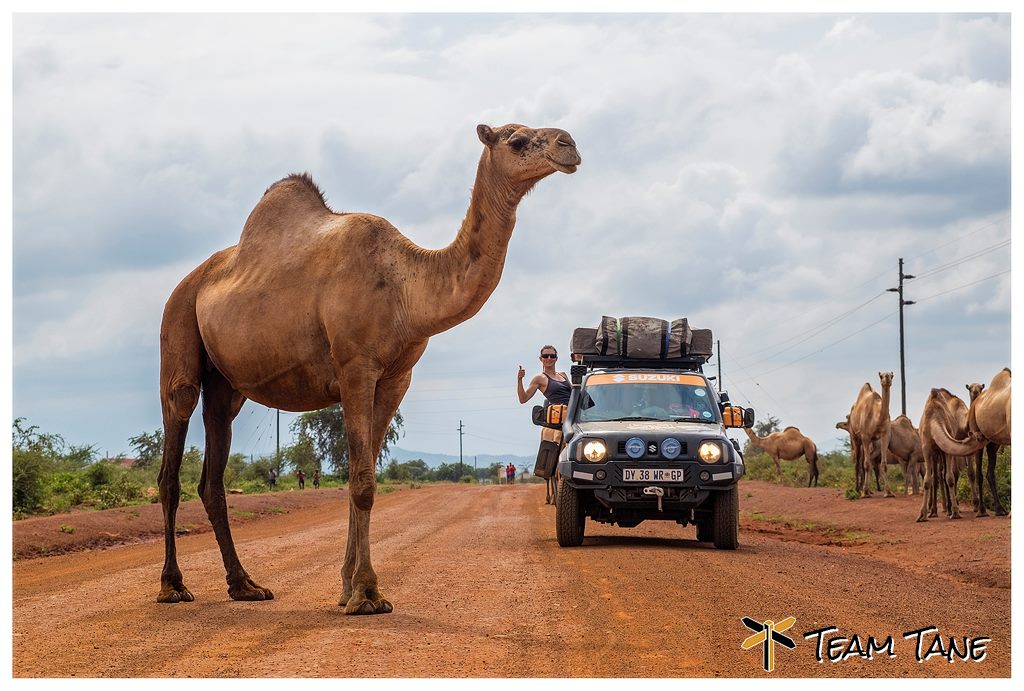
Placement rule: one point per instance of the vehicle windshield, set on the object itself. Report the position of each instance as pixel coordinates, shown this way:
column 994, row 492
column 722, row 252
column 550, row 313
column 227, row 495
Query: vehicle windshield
column 645, row 396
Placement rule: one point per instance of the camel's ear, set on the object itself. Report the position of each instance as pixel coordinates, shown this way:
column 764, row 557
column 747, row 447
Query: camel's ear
column 488, row 136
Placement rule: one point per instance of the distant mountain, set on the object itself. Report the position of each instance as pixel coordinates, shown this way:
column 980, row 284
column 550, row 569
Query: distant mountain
column 482, row 460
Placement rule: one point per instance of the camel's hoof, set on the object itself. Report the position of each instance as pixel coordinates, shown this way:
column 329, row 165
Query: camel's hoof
column 248, row 591
column 922, row 519
column 1002, row 512
column 170, row 594
column 955, row 517
column 367, row 606
column 368, row 601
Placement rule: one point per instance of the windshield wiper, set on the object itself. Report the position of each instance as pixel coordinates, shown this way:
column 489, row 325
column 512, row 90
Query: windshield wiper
column 692, row 419
column 638, row 417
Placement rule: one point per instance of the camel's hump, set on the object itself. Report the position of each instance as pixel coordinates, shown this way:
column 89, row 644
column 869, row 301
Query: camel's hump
column 301, row 184
column 791, row 427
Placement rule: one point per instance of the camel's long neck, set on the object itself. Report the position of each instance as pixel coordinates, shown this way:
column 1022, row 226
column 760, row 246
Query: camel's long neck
column 456, row 281
column 754, row 439
column 885, row 404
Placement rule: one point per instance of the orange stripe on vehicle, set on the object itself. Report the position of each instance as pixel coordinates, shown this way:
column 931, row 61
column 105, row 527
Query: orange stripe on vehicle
column 645, row 378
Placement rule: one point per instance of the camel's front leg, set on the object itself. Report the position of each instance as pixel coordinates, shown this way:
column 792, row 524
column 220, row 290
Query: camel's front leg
column 884, row 463
column 360, row 594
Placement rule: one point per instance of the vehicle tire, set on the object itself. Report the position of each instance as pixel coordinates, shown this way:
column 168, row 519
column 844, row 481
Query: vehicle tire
column 569, row 518
column 725, row 524
column 704, row 531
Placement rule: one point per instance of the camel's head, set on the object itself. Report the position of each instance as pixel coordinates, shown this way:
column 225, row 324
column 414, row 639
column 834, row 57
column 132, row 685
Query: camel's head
column 975, row 390
column 844, row 425
column 526, row 155
column 885, row 378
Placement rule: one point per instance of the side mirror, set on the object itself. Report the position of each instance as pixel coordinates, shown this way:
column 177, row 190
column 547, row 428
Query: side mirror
column 551, row 417
column 735, row 416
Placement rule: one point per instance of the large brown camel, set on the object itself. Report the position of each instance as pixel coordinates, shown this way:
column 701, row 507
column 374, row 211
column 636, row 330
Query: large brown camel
column 313, row 308
column 904, row 446
column 869, row 423
column 988, row 427
column 789, row 445
column 941, row 417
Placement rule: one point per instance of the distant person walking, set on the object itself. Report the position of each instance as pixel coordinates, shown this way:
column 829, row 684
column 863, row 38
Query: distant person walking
column 272, row 478
column 316, row 479
column 302, row 479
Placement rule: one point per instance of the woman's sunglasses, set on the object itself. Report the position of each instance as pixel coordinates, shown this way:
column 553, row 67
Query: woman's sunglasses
column 550, row 356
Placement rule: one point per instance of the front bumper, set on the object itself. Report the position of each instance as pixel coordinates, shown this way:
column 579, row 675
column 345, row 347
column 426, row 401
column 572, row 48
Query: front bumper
column 692, row 487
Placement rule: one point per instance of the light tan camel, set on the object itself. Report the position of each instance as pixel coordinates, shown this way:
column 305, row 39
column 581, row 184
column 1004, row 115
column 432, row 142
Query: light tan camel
column 904, row 446
column 988, row 426
column 869, row 422
column 941, row 418
column 789, row 445
column 313, row 308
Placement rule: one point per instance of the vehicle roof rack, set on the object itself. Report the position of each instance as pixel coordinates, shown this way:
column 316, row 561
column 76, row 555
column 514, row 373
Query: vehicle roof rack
column 688, row 362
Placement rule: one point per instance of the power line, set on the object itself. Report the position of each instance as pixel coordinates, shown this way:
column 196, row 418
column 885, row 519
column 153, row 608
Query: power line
column 962, row 237
column 888, row 316
column 974, row 255
column 965, row 285
column 816, row 329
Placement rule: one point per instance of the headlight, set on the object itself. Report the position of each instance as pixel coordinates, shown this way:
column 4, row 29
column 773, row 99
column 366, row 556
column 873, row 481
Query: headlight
column 594, row 451
column 709, row 452
column 671, row 448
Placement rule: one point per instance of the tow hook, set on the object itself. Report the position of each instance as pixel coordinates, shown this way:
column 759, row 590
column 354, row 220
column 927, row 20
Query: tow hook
column 659, row 492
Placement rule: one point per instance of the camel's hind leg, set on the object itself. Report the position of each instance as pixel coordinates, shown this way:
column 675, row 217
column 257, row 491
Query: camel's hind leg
column 221, row 404
column 181, row 362
column 992, row 451
column 172, row 588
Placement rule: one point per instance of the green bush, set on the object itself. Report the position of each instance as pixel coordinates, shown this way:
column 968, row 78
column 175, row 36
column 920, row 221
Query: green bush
column 99, row 474
column 29, row 469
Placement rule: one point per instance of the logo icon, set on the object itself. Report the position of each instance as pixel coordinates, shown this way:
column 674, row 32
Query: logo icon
column 768, row 634
column 619, row 377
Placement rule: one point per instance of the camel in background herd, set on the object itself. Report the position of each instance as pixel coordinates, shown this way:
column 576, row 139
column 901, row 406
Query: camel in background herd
column 789, row 445
column 904, row 446
column 868, row 424
column 988, row 427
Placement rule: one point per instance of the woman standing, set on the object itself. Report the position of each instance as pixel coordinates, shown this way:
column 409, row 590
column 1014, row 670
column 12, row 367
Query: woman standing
column 553, row 385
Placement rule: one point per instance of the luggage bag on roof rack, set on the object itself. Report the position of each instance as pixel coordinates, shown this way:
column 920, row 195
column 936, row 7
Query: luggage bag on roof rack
column 643, row 338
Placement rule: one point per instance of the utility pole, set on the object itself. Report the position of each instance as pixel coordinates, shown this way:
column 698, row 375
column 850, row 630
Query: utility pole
column 719, row 366
column 460, row 449
column 903, row 358
column 278, row 440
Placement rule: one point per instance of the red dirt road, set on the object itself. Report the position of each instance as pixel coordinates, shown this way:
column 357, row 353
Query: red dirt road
column 481, row 589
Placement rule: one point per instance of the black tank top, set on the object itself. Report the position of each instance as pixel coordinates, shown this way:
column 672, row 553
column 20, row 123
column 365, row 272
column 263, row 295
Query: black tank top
column 557, row 391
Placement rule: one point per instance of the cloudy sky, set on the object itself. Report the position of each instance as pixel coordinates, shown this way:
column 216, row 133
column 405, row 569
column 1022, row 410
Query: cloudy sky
column 758, row 174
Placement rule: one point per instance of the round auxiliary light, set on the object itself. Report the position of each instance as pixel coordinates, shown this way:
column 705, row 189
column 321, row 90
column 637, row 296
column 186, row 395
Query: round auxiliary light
column 600, row 475
column 594, row 451
column 709, row 452
column 635, row 447
column 705, row 476
column 671, row 448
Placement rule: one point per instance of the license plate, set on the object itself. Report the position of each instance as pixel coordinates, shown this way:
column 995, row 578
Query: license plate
column 652, row 474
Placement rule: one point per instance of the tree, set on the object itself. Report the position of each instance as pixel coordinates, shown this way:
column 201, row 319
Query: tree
column 768, row 425
column 148, row 447
column 324, row 431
